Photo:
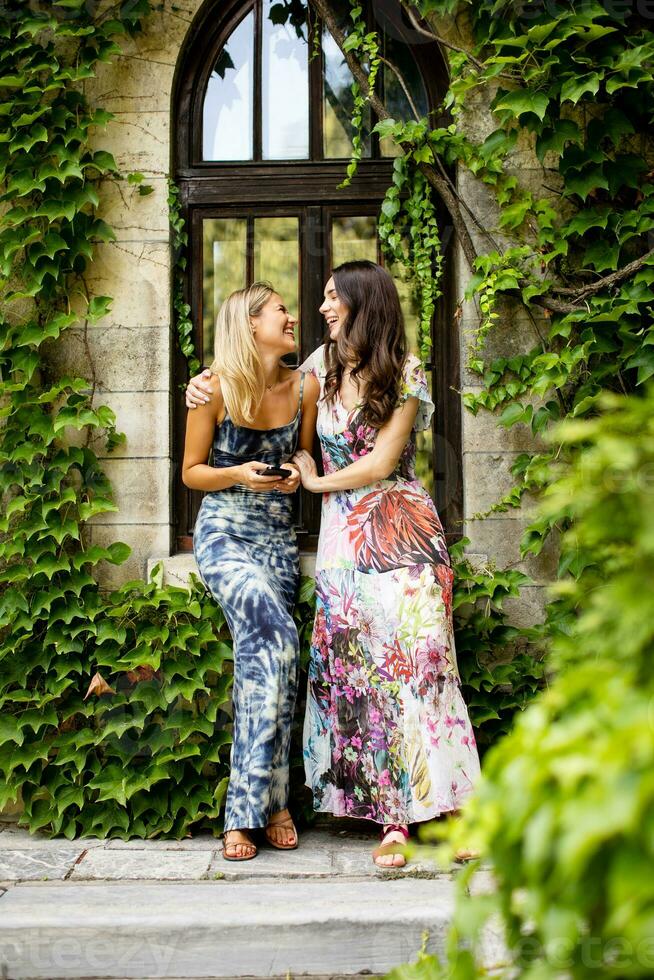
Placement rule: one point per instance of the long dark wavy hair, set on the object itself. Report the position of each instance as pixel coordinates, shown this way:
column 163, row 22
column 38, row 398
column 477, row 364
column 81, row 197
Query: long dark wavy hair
column 372, row 338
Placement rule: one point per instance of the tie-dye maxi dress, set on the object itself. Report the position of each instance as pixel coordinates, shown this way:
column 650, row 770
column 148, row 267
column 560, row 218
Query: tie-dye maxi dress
column 387, row 735
column 247, row 555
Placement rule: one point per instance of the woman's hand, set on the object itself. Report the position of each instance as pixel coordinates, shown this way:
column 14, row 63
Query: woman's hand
column 308, row 470
column 198, row 390
column 291, row 483
column 249, row 474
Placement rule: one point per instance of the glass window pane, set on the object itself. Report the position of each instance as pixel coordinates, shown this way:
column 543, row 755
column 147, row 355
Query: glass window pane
column 224, row 270
column 354, row 237
column 402, row 101
column 425, row 452
column 276, row 257
column 285, row 85
column 409, row 304
column 338, row 103
column 227, row 110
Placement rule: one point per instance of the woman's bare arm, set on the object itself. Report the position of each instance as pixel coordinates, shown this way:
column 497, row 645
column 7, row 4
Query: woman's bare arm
column 196, row 473
column 309, row 412
column 376, row 465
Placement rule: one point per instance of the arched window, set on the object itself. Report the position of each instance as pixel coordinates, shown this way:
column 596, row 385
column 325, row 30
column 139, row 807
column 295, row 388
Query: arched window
column 262, row 136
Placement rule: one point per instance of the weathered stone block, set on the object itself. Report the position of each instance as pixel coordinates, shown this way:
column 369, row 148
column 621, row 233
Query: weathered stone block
column 529, row 609
column 500, row 540
column 37, row 864
column 141, row 489
column 137, row 276
column 131, row 84
column 144, row 418
column 139, row 142
column 142, row 865
column 135, row 217
column 481, row 433
column 486, row 479
column 143, row 539
column 164, row 33
column 123, row 358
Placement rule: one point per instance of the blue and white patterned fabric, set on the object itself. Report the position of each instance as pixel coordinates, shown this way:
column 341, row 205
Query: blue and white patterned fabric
column 247, row 555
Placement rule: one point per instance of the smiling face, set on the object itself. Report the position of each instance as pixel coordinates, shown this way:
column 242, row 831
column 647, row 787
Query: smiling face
column 333, row 309
column 274, row 327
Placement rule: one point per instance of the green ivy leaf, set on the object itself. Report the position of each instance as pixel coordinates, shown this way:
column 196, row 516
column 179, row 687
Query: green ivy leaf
column 520, row 102
column 574, row 88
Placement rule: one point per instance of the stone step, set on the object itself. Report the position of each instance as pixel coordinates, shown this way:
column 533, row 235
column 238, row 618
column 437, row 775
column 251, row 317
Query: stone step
column 265, row 927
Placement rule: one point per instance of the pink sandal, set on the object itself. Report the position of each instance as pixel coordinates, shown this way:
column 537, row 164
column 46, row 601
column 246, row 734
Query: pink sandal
column 393, row 848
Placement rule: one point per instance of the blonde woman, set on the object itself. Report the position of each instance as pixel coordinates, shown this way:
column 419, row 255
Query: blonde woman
column 258, row 413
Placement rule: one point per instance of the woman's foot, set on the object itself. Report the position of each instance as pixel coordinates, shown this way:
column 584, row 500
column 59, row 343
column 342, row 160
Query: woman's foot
column 238, row 846
column 393, row 839
column 281, row 832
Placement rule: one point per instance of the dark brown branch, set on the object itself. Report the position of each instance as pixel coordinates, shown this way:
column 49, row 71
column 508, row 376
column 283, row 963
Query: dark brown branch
column 437, row 38
column 581, row 292
column 405, row 88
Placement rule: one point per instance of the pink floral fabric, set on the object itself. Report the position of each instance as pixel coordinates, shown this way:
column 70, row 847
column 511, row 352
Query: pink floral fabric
column 387, row 735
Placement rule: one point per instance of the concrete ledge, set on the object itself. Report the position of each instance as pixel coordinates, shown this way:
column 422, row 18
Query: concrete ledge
column 177, row 568
column 220, row 929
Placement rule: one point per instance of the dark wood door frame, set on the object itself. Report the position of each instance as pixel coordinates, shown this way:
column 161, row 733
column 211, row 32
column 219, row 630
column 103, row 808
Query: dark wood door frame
column 307, row 187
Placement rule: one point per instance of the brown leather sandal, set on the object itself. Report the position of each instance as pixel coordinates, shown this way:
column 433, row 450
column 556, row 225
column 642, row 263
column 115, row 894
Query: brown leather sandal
column 286, row 822
column 393, row 848
column 236, row 857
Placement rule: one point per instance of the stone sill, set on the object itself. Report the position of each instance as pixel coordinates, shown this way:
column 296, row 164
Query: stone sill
column 177, row 568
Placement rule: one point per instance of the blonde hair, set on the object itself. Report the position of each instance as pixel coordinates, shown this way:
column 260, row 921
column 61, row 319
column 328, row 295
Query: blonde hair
column 236, row 358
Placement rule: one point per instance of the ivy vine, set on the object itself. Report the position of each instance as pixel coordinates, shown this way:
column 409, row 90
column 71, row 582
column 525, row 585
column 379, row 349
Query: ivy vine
column 113, row 703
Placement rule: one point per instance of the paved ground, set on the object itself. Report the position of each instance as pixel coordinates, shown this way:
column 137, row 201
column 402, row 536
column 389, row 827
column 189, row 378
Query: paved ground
column 146, row 909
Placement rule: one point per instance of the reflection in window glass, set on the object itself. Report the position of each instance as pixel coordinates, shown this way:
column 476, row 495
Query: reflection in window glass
column 425, row 452
column 399, row 104
column 227, row 110
column 276, row 257
column 224, row 270
column 354, row 237
column 285, row 88
column 409, row 304
column 338, row 103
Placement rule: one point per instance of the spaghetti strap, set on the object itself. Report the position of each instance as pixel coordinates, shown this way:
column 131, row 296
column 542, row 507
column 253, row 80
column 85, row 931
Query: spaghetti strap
column 302, row 376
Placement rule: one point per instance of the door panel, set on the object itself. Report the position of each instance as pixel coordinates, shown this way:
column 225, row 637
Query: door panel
column 295, row 249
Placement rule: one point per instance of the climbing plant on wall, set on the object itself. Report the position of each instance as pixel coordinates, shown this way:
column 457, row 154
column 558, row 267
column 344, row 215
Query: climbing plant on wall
column 563, row 813
column 112, row 702
column 574, row 82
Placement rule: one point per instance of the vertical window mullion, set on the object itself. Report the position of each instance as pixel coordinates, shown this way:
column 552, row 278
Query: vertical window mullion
column 249, row 251
column 258, row 57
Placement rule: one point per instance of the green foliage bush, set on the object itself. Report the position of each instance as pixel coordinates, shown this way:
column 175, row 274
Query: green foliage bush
column 564, row 813
column 565, row 810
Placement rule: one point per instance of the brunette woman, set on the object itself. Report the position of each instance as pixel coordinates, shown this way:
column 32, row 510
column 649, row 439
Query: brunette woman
column 387, row 734
column 245, row 546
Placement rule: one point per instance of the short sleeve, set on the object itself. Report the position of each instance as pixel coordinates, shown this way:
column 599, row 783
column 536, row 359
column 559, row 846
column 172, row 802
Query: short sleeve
column 315, row 364
column 414, row 384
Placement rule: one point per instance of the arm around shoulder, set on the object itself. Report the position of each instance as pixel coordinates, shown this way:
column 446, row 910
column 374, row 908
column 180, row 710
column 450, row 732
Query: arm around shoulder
column 309, row 412
column 200, row 428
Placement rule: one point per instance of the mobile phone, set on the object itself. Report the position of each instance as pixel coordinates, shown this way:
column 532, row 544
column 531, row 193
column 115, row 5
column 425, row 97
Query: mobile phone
column 276, row 471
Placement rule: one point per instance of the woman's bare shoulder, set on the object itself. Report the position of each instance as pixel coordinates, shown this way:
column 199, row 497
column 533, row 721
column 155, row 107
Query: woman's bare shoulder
column 311, row 387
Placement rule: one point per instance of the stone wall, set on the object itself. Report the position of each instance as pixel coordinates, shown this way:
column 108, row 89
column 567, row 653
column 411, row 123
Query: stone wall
column 130, row 349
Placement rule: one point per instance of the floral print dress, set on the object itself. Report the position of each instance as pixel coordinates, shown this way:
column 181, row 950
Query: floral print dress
column 386, row 735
